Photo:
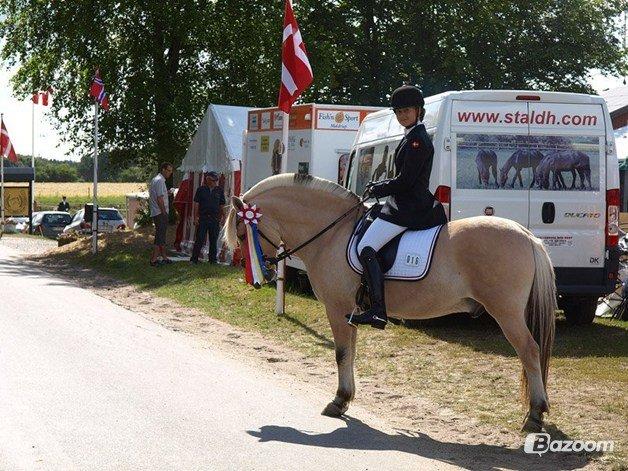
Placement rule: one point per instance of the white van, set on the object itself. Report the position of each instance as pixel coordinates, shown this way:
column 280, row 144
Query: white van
column 544, row 159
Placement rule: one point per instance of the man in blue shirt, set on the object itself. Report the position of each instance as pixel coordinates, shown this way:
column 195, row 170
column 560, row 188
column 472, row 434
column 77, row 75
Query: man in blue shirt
column 209, row 202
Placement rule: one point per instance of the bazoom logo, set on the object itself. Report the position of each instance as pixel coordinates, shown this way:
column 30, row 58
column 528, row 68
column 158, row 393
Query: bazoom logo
column 540, row 443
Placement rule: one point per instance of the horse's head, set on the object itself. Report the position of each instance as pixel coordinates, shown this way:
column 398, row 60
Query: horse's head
column 235, row 229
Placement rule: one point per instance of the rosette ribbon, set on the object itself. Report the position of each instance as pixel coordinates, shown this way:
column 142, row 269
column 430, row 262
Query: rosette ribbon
column 255, row 271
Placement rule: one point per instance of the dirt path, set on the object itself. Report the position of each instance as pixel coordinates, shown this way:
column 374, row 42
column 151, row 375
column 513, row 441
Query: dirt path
column 471, row 444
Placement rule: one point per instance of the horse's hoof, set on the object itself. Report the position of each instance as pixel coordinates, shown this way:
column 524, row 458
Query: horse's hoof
column 532, row 425
column 333, row 410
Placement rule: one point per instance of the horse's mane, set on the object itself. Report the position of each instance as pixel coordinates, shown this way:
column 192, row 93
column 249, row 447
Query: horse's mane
column 306, row 181
column 284, row 180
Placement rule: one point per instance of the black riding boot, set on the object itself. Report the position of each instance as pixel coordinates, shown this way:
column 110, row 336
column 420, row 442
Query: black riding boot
column 376, row 315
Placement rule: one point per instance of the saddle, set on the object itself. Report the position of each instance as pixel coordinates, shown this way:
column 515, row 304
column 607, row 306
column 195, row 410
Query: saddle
column 407, row 257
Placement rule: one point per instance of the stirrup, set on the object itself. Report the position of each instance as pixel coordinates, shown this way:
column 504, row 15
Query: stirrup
column 349, row 318
column 375, row 321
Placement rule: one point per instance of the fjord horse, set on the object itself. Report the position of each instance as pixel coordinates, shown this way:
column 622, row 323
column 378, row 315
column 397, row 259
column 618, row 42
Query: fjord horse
column 516, row 288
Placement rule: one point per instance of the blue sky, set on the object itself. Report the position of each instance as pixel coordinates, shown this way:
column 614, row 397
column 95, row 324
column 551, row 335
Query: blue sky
column 17, row 117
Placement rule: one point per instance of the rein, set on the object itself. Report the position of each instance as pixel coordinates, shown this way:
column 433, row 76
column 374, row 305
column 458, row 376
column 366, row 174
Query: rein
column 288, row 253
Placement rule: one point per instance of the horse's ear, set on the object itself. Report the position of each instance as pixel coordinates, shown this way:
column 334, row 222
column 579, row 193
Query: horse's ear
column 237, row 203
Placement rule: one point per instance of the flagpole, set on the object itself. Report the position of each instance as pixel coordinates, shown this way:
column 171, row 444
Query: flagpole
column 33, row 152
column 95, row 198
column 1, row 177
column 280, row 301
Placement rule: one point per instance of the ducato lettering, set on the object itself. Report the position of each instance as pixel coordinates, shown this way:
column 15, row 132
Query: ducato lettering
column 583, row 215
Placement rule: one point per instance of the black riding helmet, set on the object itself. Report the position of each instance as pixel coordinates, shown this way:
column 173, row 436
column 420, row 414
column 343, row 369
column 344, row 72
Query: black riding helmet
column 406, row 96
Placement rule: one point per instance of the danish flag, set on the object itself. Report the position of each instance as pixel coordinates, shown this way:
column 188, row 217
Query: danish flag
column 43, row 96
column 6, row 148
column 296, row 72
column 97, row 90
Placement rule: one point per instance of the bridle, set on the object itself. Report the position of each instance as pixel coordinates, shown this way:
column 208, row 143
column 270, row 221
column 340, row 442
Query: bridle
column 288, row 253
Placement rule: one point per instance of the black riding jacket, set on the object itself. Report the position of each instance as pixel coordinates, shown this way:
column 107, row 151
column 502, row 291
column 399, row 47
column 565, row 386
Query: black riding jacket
column 410, row 203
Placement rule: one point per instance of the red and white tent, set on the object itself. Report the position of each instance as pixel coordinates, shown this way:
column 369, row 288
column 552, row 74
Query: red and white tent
column 216, row 146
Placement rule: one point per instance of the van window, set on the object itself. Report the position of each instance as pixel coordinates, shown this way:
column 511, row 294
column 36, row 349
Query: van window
column 343, row 163
column 383, row 162
column 350, row 177
column 365, row 165
column 374, row 128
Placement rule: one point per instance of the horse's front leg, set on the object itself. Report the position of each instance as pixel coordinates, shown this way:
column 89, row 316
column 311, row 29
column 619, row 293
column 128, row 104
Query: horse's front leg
column 345, row 337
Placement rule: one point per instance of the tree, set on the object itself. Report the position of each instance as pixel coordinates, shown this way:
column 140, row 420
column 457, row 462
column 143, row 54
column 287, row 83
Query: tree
column 163, row 62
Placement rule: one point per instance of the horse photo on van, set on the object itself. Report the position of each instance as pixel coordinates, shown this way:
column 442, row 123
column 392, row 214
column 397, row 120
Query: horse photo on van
column 564, row 161
column 516, row 288
column 520, row 159
column 486, row 162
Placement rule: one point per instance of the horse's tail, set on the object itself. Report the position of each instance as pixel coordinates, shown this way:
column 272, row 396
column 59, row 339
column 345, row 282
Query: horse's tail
column 540, row 312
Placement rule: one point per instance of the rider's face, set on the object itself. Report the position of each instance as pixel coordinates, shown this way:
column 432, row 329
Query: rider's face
column 407, row 116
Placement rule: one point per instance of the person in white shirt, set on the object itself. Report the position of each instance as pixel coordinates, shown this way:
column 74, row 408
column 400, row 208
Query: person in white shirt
column 158, row 203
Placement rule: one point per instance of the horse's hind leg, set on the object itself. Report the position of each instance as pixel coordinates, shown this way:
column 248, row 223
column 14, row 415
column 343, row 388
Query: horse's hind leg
column 345, row 337
column 519, row 336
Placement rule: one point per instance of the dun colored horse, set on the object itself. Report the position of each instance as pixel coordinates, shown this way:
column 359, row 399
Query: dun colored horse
column 481, row 261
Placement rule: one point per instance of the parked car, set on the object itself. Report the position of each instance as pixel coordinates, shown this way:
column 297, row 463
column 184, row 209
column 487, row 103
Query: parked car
column 109, row 220
column 50, row 223
column 15, row 224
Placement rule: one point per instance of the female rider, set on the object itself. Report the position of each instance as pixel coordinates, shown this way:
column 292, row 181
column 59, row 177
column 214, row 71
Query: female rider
column 409, row 203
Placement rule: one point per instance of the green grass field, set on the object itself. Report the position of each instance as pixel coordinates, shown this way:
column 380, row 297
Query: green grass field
column 49, row 203
column 463, row 364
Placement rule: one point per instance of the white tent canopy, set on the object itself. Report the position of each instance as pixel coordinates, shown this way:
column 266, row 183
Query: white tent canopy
column 217, row 143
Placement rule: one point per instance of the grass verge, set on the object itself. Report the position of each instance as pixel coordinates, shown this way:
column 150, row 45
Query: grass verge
column 456, row 362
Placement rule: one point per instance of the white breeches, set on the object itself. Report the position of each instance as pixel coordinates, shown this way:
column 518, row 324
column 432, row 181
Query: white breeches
column 379, row 234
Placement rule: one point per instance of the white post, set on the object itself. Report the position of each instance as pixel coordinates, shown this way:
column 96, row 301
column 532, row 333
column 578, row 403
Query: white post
column 95, row 198
column 280, row 301
column 1, row 183
column 33, row 152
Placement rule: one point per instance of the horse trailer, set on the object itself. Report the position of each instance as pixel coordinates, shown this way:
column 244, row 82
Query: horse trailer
column 544, row 159
column 319, row 141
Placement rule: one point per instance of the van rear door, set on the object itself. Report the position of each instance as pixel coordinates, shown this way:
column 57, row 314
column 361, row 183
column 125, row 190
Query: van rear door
column 489, row 177
column 568, row 198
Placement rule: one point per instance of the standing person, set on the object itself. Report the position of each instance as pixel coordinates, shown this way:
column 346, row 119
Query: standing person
column 182, row 202
column 158, row 202
column 63, row 205
column 409, row 203
column 209, row 202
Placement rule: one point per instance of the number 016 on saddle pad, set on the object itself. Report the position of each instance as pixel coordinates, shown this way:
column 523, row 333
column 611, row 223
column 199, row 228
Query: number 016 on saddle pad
column 405, row 258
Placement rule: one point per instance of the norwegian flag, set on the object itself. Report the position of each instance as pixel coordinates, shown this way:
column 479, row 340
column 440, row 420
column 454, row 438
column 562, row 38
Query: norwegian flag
column 296, row 72
column 6, row 148
column 97, row 91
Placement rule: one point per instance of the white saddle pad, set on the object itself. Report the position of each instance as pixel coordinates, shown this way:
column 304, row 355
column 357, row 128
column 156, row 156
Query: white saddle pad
column 414, row 255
